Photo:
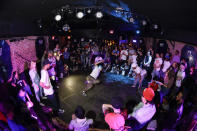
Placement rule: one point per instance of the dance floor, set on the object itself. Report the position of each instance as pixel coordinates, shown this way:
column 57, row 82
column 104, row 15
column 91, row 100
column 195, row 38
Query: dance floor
column 111, row 85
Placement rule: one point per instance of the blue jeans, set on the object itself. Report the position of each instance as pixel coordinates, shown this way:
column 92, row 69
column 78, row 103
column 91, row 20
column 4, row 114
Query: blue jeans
column 155, row 73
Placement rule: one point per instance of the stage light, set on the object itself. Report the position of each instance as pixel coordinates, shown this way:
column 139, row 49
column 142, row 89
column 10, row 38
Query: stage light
column 40, row 26
column 39, row 22
column 70, row 11
column 99, row 14
column 89, row 11
column 119, row 9
column 82, row 39
column 137, row 31
column 134, row 41
column 131, row 20
column 111, row 31
column 155, row 26
column 80, row 15
column 90, row 40
column 53, row 38
column 144, row 23
column 66, row 27
column 58, row 17
column 69, row 37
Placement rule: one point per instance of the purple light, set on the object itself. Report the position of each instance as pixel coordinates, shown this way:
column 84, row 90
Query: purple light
column 134, row 41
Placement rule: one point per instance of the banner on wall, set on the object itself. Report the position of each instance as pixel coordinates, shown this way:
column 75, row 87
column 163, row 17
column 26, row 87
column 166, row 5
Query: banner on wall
column 5, row 60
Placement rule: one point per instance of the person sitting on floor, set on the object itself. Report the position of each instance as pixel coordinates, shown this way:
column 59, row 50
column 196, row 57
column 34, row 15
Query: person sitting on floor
column 79, row 122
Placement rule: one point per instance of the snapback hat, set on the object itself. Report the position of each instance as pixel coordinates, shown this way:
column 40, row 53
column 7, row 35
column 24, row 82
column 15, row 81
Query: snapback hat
column 148, row 94
column 46, row 62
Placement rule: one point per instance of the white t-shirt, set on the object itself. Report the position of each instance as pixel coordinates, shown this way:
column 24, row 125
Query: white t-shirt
column 131, row 52
column 166, row 65
column 137, row 70
column 123, row 55
column 96, row 71
column 143, row 112
column 134, row 58
column 180, row 77
column 158, row 62
column 46, row 80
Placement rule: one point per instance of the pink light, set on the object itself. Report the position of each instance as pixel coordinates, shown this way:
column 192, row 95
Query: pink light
column 53, row 37
column 111, row 31
column 69, row 37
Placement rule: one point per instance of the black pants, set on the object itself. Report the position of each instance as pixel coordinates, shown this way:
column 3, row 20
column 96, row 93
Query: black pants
column 122, row 62
column 53, row 102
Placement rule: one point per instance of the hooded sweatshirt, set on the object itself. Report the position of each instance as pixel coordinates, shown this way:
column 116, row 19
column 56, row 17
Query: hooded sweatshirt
column 80, row 124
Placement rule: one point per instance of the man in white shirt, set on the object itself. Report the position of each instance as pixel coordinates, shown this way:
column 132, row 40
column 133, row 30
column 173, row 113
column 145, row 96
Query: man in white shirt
column 92, row 78
column 166, row 66
column 147, row 60
column 139, row 74
column 79, row 122
column 35, row 81
column 157, row 66
column 145, row 110
column 123, row 56
column 45, row 83
column 131, row 52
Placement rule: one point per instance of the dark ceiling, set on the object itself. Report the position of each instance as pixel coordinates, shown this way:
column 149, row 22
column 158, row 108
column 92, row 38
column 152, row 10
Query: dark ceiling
column 18, row 15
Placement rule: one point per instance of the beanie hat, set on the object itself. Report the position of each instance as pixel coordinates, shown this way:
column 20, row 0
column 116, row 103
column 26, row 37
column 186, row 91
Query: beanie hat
column 148, row 94
column 117, row 102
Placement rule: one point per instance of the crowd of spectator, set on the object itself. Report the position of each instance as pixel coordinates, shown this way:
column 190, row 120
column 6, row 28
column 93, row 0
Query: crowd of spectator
column 29, row 101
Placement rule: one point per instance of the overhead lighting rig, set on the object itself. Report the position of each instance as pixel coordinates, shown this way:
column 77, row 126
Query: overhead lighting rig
column 79, row 11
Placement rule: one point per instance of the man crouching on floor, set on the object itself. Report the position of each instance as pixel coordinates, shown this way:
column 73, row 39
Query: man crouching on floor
column 91, row 79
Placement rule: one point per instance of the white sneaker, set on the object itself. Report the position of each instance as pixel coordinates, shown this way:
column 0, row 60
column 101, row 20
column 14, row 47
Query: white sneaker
column 44, row 97
column 61, row 111
column 84, row 93
column 42, row 104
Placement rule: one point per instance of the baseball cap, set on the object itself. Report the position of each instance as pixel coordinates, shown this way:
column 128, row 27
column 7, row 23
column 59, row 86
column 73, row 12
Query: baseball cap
column 148, row 94
column 46, row 62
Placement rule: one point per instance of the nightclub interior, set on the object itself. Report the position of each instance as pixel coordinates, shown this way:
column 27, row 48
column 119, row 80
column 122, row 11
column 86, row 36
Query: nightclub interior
column 98, row 65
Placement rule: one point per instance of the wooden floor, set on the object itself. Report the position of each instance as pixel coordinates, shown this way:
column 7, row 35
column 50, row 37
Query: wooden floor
column 70, row 95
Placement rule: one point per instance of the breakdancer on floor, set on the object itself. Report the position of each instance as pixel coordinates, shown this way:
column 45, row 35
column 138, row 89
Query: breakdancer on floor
column 91, row 79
